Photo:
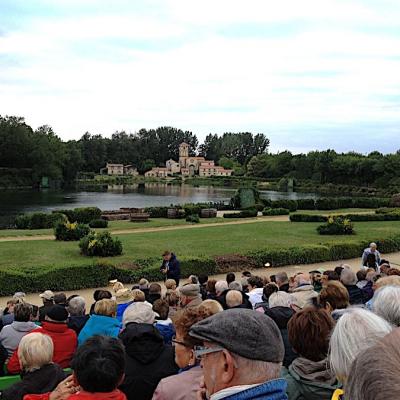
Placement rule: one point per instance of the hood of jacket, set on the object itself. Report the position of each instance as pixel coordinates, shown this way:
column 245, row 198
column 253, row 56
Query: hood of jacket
column 20, row 326
column 317, row 373
column 303, row 288
column 142, row 342
column 281, row 315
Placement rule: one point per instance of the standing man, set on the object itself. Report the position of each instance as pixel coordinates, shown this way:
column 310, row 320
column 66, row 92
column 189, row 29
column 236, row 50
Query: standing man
column 171, row 267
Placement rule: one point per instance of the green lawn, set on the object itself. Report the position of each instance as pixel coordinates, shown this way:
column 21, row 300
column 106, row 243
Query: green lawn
column 216, row 240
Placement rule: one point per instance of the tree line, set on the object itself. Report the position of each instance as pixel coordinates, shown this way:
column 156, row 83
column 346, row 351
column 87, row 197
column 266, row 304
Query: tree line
column 42, row 151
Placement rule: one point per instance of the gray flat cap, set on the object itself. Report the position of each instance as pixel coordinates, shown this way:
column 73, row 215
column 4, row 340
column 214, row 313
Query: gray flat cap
column 190, row 290
column 247, row 333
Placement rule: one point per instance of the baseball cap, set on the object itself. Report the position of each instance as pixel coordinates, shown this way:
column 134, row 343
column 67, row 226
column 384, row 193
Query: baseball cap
column 141, row 313
column 47, row 295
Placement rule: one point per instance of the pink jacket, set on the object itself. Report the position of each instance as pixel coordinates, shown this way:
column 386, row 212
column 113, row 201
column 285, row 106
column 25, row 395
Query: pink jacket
column 183, row 386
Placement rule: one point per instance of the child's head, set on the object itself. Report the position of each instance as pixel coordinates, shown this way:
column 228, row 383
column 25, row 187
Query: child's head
column 99, row 364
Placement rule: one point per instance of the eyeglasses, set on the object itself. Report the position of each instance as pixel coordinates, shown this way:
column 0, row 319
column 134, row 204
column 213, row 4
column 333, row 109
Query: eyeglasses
column 200, row 351
column 174, row 341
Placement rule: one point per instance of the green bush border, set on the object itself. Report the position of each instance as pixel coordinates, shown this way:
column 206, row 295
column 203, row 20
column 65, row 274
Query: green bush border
column 352, row 217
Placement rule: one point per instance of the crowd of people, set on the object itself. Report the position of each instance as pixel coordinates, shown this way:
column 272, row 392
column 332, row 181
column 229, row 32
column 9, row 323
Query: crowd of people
column 323, row 334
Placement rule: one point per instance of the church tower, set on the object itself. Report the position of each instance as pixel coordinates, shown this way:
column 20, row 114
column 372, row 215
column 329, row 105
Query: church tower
column 183, row 154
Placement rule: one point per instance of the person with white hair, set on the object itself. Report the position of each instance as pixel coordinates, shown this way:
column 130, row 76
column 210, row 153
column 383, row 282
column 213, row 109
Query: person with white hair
column 349, row 280
column 221, row 287
column 355, row 332
column 303, row 290
column 372, row 249
column 386, row 304
column 236, row 285
column 234, row 299
column 77, row 314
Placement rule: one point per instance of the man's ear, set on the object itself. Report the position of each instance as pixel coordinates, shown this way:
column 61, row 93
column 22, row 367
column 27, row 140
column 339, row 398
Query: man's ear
column 228, row 367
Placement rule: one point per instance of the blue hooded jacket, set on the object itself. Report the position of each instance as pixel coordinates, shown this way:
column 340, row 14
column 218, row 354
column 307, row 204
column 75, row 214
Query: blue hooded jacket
column 99, row 325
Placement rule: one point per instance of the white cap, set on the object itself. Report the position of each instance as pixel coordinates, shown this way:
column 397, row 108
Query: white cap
column 140, row 312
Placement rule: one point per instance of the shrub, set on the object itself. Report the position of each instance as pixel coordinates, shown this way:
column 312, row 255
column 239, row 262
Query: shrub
column 38, row 220
column 305, row 204
column 98, row 223
column 193, row 218
column 336, row 226
column 326, row 203
column 100, row 244
column 394, row 216
column 67, row 231
column 395, row 200
column 245, row 198
column 275, row 211
column 291, row 205
column 387, row 210
column 157, row 212
column 192, row 209
column 250, row 213
column 83, row 215
column 22, row 221
column 308, row 218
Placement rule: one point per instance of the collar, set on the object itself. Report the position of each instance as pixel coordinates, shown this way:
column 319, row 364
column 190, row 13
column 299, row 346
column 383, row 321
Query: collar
column 165, row 322
column 232, row 390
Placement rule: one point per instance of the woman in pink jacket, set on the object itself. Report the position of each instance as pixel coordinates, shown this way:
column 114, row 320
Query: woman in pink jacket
column 186, row 383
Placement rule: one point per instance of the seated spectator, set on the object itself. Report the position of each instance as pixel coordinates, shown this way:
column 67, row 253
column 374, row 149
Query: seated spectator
column 211, row 306
column 116, row 285
column 230, row 277
column 170, row 284
column 303, row 290
column 309, row 376
column 11, row 335
column 256, row 285
column 39, row 373
column 384, row 268
column 236, row 285
column 203, row 286
column 282, row 280
column 154, row 292
column 102, row 322
column 163, row 322
column 329, row 276
column 355, row 332
column 334, row 296
column 8, row 314
column 148, row 358
column 280, row 311
column 98, row 370
column 361, row 278
column 124, row 299
column 241, row 356
column 173, row 301
column 186, row 384
column 267, row 291
column 316, row 279
column 77, row 314
column 384, row 358
column 386, row 304
column 368, row 288
column 193, row 279
column 139, row 296
column 220, row 288
column 210, row 288
column 60, row 299
column 246, row 274
column 349, row 280
column 99, row 295
column 234, row 299
column 47, row 297
column 245, row 284
column 190, row 295
column 371, row 262
column 144, row 286
column 339, row 270
column 64, row 339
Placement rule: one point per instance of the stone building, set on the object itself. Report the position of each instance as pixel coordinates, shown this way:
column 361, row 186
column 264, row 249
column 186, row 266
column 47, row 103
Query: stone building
column 119, row 169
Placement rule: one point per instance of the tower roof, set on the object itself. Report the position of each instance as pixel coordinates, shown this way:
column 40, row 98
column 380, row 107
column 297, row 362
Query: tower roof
column 183, row 144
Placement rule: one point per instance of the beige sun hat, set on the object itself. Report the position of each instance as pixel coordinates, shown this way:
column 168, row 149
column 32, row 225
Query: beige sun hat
column 124, row 296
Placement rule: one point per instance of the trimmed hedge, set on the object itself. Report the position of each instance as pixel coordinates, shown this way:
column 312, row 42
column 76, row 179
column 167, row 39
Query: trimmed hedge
column 251, row 213
column 275, row 211
column 98, row 223
column 95, row 274
column 193, row 218
column 82, row 215
column 38, row 220
column 308, row 218
column 352, row 217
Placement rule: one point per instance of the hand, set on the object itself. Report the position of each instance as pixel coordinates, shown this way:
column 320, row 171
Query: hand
column 64, row 389
column 164, row 271
column 202, row 393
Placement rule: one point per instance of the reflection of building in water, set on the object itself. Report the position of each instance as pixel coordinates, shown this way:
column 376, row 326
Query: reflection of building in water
column 119, row 169
column 188, row 166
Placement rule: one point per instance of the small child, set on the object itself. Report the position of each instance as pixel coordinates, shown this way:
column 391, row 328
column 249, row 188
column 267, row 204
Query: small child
column 163, row 323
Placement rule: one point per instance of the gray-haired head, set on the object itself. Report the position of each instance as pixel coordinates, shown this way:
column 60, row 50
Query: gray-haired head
column 234, row 298
column 386, row 303
column 220, row 287
column 76, row 306
column 348, row 277
column 280, row 299
column 235, row 285
column 281, row 278
column 357, row 330
column 373, row 245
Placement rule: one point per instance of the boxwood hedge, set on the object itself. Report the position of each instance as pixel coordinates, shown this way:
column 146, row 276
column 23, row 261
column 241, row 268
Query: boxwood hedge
column 352, row 217
column 97, row 274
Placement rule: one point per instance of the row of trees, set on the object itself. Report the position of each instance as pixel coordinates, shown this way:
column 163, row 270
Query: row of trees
column 43, row 152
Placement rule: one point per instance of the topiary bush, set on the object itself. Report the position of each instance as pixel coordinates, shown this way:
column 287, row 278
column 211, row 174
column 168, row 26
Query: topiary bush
column 98, row 223
column 275, row 211
column 308, row 218
column 67, row 231
column 250, row 213
column 291, row 205
column 193, row 218
column 100, row 244
column 336, row 226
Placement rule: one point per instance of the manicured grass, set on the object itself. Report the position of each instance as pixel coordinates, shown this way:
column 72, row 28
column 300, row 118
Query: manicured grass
column 217, row 240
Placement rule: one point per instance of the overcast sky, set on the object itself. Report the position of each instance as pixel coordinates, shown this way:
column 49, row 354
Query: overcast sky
column 310, row 74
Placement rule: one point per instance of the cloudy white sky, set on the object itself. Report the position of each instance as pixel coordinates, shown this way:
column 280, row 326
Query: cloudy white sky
column 309, row 74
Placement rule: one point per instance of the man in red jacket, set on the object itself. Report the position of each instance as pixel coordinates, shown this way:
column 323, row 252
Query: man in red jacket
column 98, row 365
column 64, row 339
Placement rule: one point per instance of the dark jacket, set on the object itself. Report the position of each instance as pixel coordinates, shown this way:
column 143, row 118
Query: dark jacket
column 42, row 380
column 281, row 316
column 148, row 360
column 245, row 300
column 284, row 288
column 173, row 268
column 367, row 291
column 355, row 294
column 77, row 322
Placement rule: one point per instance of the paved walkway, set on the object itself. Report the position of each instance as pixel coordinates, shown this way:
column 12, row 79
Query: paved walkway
column 290, row 269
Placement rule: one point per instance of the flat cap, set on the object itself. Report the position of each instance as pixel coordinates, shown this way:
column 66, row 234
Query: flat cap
column 190, row 290
column 247, row 333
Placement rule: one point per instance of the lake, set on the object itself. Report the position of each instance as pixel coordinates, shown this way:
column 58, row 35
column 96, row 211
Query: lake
column 110, row 197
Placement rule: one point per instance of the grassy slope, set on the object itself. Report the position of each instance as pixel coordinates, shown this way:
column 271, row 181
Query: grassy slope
column 202, row 241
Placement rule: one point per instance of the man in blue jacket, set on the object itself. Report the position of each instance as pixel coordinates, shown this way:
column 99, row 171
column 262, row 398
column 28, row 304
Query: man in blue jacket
column 171, row 267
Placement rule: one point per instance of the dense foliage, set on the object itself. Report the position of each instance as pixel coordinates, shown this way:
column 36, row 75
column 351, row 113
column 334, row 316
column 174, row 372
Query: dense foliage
column 336, row 225
column 250, row 213
column 38, row 220
column 275, row 211
column 101, row 245
column 82, row 215
column 98, row 223
column 67, row 231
